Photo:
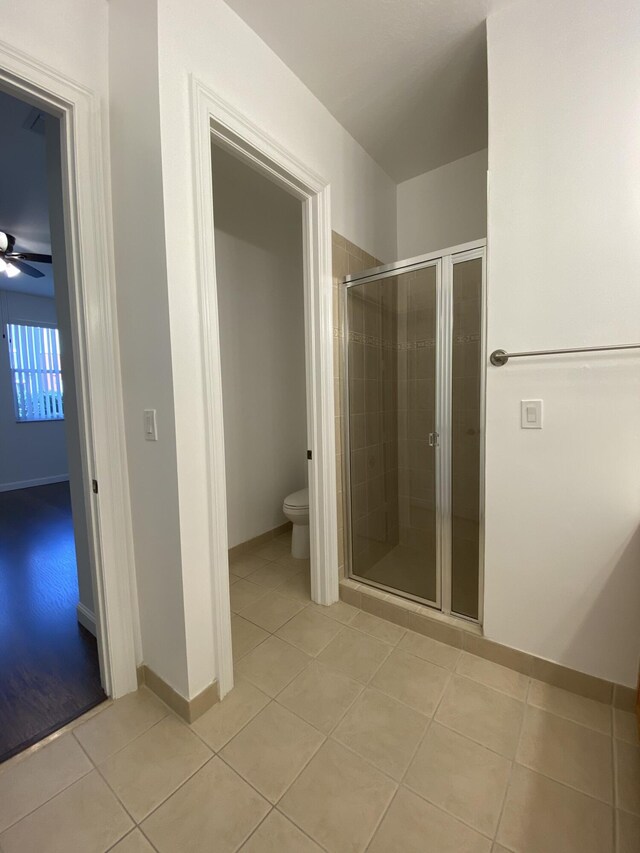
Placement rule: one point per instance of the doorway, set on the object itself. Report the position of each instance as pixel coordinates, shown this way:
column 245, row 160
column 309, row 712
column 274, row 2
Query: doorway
column 49, row 663
column 414, row 402
column 215, row 121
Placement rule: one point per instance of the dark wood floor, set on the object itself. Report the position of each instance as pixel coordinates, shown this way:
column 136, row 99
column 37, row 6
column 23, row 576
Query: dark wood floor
column 49, row 671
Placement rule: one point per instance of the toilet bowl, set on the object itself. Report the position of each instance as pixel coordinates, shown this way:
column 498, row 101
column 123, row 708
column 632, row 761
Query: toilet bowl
column 296, row 509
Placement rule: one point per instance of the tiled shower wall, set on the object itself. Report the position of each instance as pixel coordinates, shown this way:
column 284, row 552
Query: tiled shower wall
column 416, row 321
column 349, row 258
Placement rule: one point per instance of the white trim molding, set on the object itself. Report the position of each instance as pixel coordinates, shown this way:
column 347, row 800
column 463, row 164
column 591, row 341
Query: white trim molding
column 92, row 297
column 215, row 120
column 38, row 481
column 86, row 618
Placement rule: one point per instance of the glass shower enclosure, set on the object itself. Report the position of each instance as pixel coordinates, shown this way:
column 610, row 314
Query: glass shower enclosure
column 414, row 413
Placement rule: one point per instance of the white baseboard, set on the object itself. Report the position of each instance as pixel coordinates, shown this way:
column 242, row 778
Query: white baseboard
column 40, row 481
column 86, row 618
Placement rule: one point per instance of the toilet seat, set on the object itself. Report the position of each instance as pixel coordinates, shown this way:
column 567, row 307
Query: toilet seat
column 297, row 500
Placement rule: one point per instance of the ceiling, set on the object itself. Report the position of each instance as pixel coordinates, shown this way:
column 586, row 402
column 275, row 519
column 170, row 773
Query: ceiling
column 24, row 208
column 407, row 78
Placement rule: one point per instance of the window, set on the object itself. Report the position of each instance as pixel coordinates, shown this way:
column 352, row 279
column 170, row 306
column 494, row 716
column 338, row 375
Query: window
column 34, row 357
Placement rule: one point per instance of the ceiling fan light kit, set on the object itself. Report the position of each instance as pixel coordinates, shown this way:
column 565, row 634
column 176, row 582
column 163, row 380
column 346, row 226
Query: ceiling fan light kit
column 13, row 263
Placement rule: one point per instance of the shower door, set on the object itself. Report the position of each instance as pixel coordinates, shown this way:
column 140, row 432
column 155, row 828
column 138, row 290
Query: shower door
column 413, row 415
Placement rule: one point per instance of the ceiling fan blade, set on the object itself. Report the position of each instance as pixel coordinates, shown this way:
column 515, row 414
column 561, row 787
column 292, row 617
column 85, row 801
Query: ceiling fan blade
column 25, row 268
column 29, row 256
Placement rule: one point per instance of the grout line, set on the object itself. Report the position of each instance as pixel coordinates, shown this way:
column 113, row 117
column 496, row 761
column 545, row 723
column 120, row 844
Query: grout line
column 511, row 769
column 52, row 797
column 168, row 797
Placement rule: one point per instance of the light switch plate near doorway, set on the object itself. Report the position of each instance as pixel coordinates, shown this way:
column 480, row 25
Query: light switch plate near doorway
column 150, row 426
column 531, row 414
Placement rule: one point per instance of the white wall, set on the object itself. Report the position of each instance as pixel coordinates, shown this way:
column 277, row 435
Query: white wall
column 206, row 39
column 69, row 37
column 444, row 207
column 30, row 452
column 261, row 311
column 563, row 504
column 143, row 321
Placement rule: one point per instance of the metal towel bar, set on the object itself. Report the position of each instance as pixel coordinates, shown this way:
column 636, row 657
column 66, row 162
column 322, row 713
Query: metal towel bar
column 499, row 357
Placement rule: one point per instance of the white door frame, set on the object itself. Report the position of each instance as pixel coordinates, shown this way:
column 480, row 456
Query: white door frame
column 214, row 119
column 91, row 280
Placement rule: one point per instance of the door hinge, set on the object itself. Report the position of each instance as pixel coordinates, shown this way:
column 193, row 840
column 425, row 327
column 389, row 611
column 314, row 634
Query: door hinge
column 94, row 487
column 309, row 454
column 434, row 439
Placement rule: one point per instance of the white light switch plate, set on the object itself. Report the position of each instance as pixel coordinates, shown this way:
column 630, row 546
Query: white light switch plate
column 531, row 414
column 150, row 426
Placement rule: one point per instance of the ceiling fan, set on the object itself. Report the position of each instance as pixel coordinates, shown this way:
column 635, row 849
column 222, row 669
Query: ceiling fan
column 13, row 263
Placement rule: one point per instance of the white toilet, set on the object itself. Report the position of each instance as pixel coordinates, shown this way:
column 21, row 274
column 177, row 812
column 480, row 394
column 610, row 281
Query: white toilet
column 296, row 509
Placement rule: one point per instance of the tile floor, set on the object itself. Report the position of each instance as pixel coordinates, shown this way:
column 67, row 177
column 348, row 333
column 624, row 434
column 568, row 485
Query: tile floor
column 344, row 733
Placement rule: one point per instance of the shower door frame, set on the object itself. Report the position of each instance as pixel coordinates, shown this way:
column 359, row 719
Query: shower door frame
column 444, row 261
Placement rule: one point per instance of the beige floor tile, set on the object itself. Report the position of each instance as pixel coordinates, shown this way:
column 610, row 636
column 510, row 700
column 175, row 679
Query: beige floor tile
column 272, row 611
column 84, row 817
column 567, row 752
column 272, row 665
column 428, row 649
column 487, row 716
column 298, row 586
column 414, row 681
column 225, row 719
column 625, row 726
column 295, row 562
column 276, row 834
column 245, row 636
column 498, row 848
column 245, row 564
column 543, row 816
column 628, row 831
column 383, row 731
column 120, row 723
column 334, row 788
column 243, row 593
column 587, row 712
column 493, row 675
column 414, row 826
column 135, row 842
column 273, row 549
column 149, row 769
column 309, row 631
column 462, row 777
column 215, row 810
column 272, row 749
column 378, row 628
column 272, row 574
column 28, row 783
column 320, row 695
column 340, row 611
column 627, row 776
column 355, row 654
